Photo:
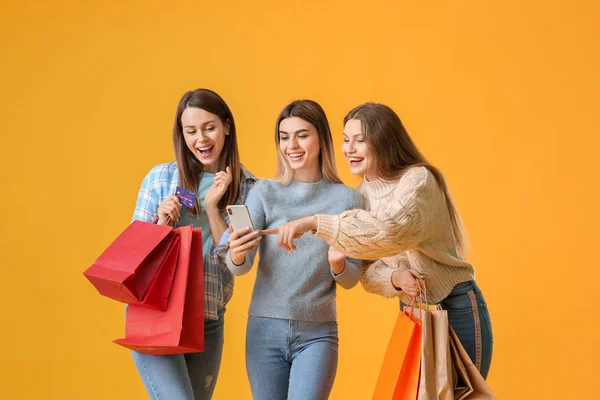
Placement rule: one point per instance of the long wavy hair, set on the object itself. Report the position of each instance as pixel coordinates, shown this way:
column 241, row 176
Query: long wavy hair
column 190, row 168
column 395, row 152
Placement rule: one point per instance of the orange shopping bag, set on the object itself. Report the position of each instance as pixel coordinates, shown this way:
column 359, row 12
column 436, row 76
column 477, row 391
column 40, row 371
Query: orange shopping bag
column 399, row 375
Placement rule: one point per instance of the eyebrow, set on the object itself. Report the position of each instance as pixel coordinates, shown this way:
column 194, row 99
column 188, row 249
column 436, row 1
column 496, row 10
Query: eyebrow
column 357, row 134
column 206, row 123
column 298, row 131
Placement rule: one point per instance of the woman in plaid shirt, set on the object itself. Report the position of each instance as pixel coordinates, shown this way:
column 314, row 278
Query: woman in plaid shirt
column 207, row 163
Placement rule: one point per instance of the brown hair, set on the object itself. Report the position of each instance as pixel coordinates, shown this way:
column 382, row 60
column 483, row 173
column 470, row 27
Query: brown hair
column 311, row 112
column 395, row 153
column 190, row 168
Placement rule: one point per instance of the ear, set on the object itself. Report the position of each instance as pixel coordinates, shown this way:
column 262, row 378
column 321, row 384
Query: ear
column 227, row 126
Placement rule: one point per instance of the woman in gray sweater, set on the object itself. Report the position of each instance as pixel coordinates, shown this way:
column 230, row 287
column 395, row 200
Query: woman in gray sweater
column 292, row 336
column 411, row 228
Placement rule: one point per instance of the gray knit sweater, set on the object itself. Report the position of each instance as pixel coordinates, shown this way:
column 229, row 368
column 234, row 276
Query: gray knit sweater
column 299, row 285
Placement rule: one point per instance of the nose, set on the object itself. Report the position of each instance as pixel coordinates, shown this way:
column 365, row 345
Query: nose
column 200, row 136
column 293, row 140
column 350, row 148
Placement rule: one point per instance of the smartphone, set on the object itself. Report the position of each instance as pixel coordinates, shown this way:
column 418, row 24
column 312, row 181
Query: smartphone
column 239, row 217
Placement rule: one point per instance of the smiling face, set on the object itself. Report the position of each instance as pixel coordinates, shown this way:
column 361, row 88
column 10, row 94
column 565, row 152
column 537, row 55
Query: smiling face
column 299, row 145
column 204, row 135
column 356, row 151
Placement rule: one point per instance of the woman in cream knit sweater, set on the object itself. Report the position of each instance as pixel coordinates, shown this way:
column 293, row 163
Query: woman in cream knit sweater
column 410, row 229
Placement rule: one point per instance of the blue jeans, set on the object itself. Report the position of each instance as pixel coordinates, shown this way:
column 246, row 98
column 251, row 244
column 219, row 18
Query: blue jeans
column 468, row 315
column 287, row 359
column 191, row 376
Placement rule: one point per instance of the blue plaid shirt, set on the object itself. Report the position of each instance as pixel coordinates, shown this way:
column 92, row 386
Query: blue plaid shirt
column 161, row 182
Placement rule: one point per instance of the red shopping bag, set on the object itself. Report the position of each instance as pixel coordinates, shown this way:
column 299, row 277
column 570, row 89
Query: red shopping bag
column 138, row 267
column 399, row 375
column 179, row 329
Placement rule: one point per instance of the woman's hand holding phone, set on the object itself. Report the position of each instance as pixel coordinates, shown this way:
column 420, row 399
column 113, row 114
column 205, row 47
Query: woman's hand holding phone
column 242, row 242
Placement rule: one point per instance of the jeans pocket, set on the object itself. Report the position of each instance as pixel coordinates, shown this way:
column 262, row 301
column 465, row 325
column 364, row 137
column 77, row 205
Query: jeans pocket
column 329, row 329
column 329, row 332
column 459, row 303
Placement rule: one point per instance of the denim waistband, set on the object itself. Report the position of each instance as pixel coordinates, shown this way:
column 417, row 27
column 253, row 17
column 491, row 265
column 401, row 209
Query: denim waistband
column 464, row 287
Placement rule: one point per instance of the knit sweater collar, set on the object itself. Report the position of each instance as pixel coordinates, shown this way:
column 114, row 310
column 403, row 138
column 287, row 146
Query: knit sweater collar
column 379, row 188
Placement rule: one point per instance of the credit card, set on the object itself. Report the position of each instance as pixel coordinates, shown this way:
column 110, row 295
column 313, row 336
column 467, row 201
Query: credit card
column 187, row 198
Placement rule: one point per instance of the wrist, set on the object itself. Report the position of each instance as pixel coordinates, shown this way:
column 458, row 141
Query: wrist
column 313, row 223
column 338, row 266
column 210, row 208
column 395, row 279
column 163, row 221
column 236, row 260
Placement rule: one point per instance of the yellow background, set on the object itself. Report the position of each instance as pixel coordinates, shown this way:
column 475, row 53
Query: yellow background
column 502, row 96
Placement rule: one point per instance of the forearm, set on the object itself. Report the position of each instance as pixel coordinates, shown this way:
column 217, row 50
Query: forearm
column 361, row 235
column 217, row 224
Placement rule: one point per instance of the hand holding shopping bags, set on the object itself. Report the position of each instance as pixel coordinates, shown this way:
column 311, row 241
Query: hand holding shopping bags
column 443, row 368
column 399, row 375
column 180, row 329
column 138, row 267
column 159, row 272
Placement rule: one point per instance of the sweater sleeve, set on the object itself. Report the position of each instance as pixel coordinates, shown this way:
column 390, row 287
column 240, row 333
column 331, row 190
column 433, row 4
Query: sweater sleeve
column 242, row 269
column 397, row 226
column 377, row 276
column 350, row 276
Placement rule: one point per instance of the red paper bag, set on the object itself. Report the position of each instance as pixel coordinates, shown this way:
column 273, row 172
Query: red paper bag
column 399, row 375
column 138, row 267
column 179, row 329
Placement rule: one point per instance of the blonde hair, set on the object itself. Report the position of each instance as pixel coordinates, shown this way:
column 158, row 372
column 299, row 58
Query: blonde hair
column 310, row 111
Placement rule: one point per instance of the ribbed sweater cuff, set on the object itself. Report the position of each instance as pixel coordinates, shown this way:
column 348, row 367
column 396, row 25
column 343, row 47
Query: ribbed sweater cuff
column 237, row 269
column 386, row 283
column 328, row 227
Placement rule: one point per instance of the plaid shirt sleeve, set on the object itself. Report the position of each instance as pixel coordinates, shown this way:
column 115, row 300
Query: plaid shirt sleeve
column 215, row 301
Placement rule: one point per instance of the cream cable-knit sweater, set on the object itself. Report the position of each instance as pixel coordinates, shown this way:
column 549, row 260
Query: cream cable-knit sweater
column 407, row 225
